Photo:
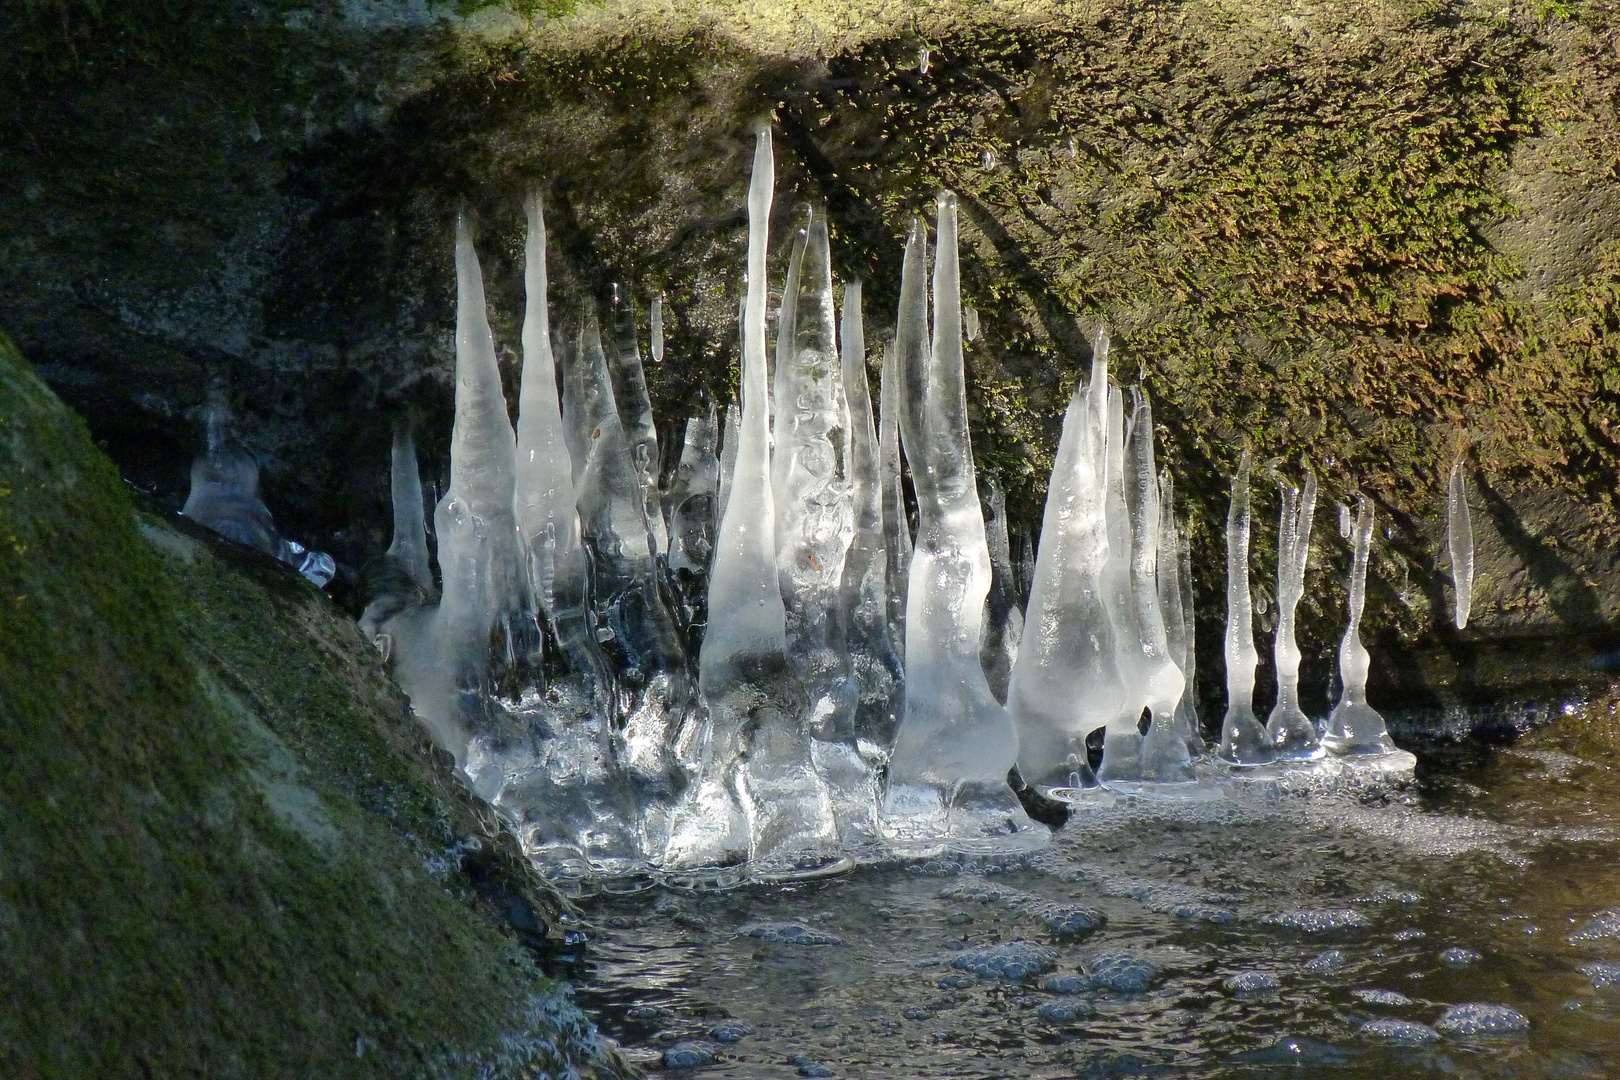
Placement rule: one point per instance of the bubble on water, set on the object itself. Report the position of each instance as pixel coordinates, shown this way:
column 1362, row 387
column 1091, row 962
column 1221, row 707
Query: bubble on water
column 730, row 1031
column 1410, row 935
column 1014, row 961
column 1476, row 1018
column 789, row 933
column 1605, row 924
column 1332, row 960
column 1381, row 997
column 1252, row 983
column 1067, row 1010
column 1317, row 921
column 1400, row 1031
column 1204, row 913
column 1122, row 972
column 688, row 1055
column 1458, row 957
column 1602, row 973
column 1065, row 984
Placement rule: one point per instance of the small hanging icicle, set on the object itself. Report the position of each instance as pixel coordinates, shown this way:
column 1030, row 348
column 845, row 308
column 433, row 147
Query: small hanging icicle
column 1460, row 538
column 989, row 160
column 1074, row 147
column 970, row 323
column 1344, row 520
column 922, row 60
column 657, row 331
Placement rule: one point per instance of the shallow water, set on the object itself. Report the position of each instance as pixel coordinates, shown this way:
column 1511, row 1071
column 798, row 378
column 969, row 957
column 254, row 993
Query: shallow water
column 1503, row 852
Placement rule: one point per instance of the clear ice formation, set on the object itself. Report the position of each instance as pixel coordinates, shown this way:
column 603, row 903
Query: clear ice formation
column 947, row 784
column 224, row 496
column 1293, row 734
column 1460, row 540
column 1243, row 739
column 1355, row 727
column 758, row 671
column 655, row 329
column 876, row 666
column 896, row 526
column 1003, row 616
column 1064, row 682
column 756, row 795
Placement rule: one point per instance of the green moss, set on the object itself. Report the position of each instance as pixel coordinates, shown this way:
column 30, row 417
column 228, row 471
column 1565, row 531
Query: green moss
column 228, row 851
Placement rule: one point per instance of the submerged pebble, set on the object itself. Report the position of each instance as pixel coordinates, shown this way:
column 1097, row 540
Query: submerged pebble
column 1400, row 1031
column 1251, row 983
column 1475, row 1018
column 789, row 933
column 1014, row 961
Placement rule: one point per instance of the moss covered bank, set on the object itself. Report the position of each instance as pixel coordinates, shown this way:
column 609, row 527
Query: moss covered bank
column 228, row 850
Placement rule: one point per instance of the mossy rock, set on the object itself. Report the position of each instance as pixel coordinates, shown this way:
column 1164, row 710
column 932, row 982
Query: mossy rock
column 229, row 850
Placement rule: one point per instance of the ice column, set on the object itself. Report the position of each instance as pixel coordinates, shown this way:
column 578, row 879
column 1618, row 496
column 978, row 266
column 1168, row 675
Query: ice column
column 956, row 744
column 1064, row 683
column 1176, row 606
column 409, row 545
column 1292, row 733
column 692, row 497
column 1354, row 727
column 1243, row 739
column 1165, row 758
column 224, row 491
column 1003, row 616
column 1460, row 539
column 756, row 793
column 1195, row 736
column 728, row 460
column 635, row 411
column 875, row 662
column 1122, row 741
column 896, row 522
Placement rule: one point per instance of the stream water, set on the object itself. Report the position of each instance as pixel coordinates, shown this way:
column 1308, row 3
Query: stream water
column 1259, row 934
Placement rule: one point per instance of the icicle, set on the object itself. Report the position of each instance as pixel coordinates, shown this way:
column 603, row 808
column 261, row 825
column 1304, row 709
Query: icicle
column 1122, row 741
column 224, row 491
column 896, row 522
column 1065, row 684
column 1175, row 605
column 756, row 794
column 1460, row 539
column 1292, row 733
column 1165, row 759
column 1355, row 727
column 655, row 319
column 1189, row 700
column 635, row 411
column 875, row 662
column 811, row 485
column 1243, row 739
column 1003, row 618
column 1344, row 521
column 956, row 744
column 693, row 494
column 409, row 546
column 970, row 322
column 728, row 461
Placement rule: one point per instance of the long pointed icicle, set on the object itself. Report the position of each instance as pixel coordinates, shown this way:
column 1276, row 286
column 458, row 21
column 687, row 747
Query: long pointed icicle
column 1003, row 615
column 875, row 662
column 956, row 745
column 693, row 497
column 1064, row 683
column 1165, row 758
column 635, row 410
column 1175, row 606
column 1355, row 727
column 896, row 523
column 728, row 461
column 1460, row 539
column 755, row 794
column 409, row 545
column 1243, row 739
column 811, row 484
column 1122, row 742
column 1292, row 733
column 1184, row 582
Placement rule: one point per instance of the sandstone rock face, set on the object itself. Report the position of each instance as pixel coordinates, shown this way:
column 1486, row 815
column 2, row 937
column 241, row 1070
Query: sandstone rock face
column 229, row 848
column 1379, row 240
